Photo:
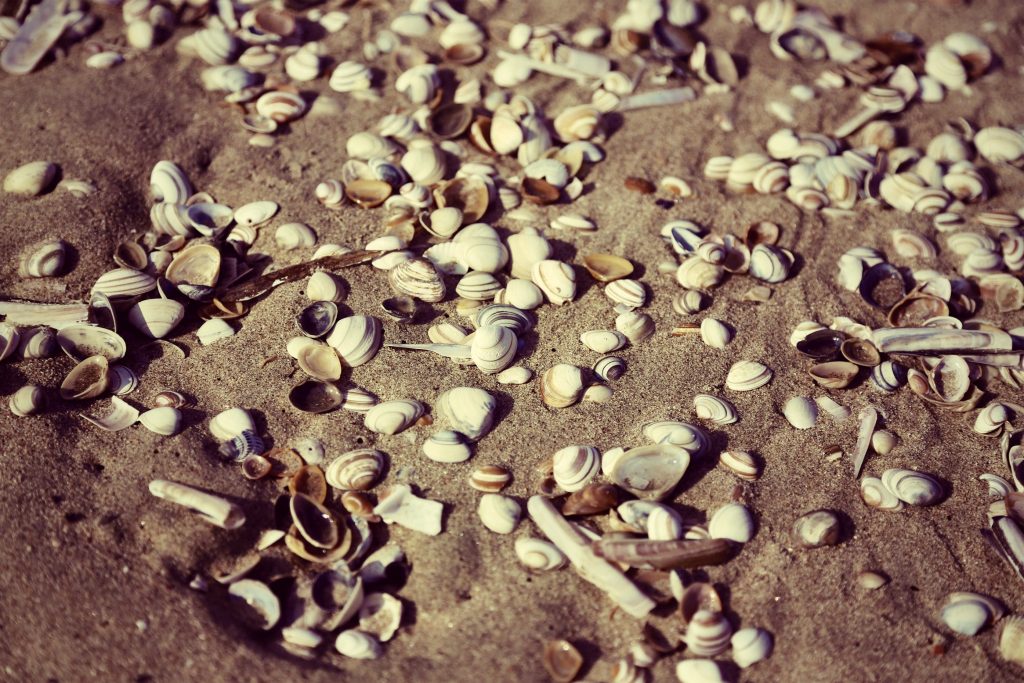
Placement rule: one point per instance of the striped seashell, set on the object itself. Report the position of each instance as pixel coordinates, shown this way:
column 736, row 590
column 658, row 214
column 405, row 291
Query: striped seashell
column 771, row 178
column 357, row 400
column 156, row 317
column 418, row 278
column 241, row 446
column 215, row 46
column 489, row 478
column 168, row 183
column 281, row 106
column 876, row 495
column 493, row 348
column 462, row 31
column 747, row 375
column 945, row 66
column 392, row 417
column 123, row 283
column 578, row 122
column 357, row 339
column 663, row 523
column 28, row 400
column 889, row 376
column 539, row 555
column 635, row 326
column 575, row 466
column 37, row 342
column 447, row 447
column 689, row 437
column 715, row 409
column 966, row 183
column 399, row 126
column 743, row 169
column 807, row 198
column 425, row 164
column 499, row 513
column 561, row 385
column 556, row 279
column 997, row 144
column 46, row 260
column 365, row 146
column 696, row 273
column 350, row 77
column 627, row 293
column 573, row 221
column 909, row 244
column 504, row 316
column 913, row 487
column 356, row 470
column 419, row 83
column 171, row 219
column 689, row 302
column 609, row 368
column 477, row 286
column 708, row 633
column 741, row 463
column 304, row 64
column 355, row 644
column 717, row 168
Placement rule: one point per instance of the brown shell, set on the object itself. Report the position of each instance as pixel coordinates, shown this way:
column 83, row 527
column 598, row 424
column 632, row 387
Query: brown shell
column 762, row 232
column 835, row 374
column 309, row 480
column 367, row 193
column 469, row 195
column 915, row 308
column 256, row 467
column 591, row 500
column 480, row 134
column 284, row 461
column 451, row 120
column 360, row 504
column 130, row 254
column 561, row 660
column 641, row 185
column 860, row 352
column 464, row 53
column 607, row 267
column 541, row 192
column 699, row 596
column 219, row 309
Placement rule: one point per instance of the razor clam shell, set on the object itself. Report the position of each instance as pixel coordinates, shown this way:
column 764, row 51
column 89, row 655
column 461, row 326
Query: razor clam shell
column 670, row 554
column 211, row 508
column 933, row 341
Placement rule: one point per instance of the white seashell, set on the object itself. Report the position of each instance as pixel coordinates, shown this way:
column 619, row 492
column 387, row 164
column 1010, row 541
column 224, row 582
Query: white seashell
column 77, row 341
column 635, row 326
column 411, row 24
column 392, row 417
column 663, row 523
column 169, row 184
column 649, row 472
column 515, row 375
column 690, row 438
column 968, row 613
column 469, row 410
column 419, row 83
column 322, row 286
column 876, row 495
column 575, row 466
column 156, row 317
column 696, row 273
column 598, row 393
column 215, row 46
column 689, row 302
column 556, row 279
column 945, row 66
column 231, row 423
column 536, row 140
column 210, row 508
column 992, row 419
column 1011, row 640
column 769, row 263
column 425, row 164
column 750, row 646
column 493, row 348
column 801, row 412
column 356, row 470
column 447, row 447
column 522, row 294
column 708, row 633
column 357, row 339
column 700, row 670
column 46, row 260
column 997, row 144
column 28, row 400
column 165, row 420
column 715, row 409
column 747, row 375
column 883, row 441
column 350, row 77
column 913, row 487
column 477, row 286
column 107, row 59
column 578, row 122
column 732, row 521
column 526, row 249
column 550, row 170
column 355, row 644
column 610, row 368
column 418, row 278
column 401, row 507
column 741, row 463
column 715, row 333
column 603, row 341
column 255, row 213
column 499, row 513
column 262, row 606
column 626, row 292
column 539, row 555
column 304, row 65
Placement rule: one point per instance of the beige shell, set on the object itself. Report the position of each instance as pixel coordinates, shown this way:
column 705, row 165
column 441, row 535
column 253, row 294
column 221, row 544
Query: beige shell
column 357, row 339
column 499, row 513
column 578, row 122
column 195, row 265
column 28, row 400
column 392, row 417
column 156, row 317
column 575, row 466
column 741, row 463
column 355, row 470
column 124, row 283
column 561, row 385
column 626, row 293
column 715, row 409
column 539, row 555
column 489, row 478
column 32, row 179
column 696, row 273
column 320, row 361
column 635, row 326
column 650, row 472
column 46, row 260
column 708, row 633
column 556, row 279
column 418, row 278
column 747, row 375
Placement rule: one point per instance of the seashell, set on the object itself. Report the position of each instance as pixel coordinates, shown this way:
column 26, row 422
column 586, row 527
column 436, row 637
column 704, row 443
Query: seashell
column 425, row 164
column 315, row 396
column 477, row 286
column 834, row 374
column 747, row 375
column 689, row 302
column 635, row 326
column 993, row 419
column 489, row 478
column 732, row 521
column 561, row 385
column 913, row 487
column 691, row 438
column 330, row 193
column 708, row 633
column 944, row 66
column 123, row 283
column 322, row 286
column 603, row 341
column 290, row 236
column 255, row 213
column 801, row 412
column 997, row 144
column 447, row 447
column 715, row 333
column 27, row 400
column 418, row 278
column 89, row 379
column 401, row 507
column 700, row 670
column 156, row 317
column 769, row 263
column 493, row 348
column 314, row 522
column 1011, row 640
column 715, row 409
column 356, row 338
column 696, row 273
column 527, row 248
column 503, row 316
column 577, row 122
column 419, row 83
column 575, row 466
column 168, row 183
column 32, row 179
column 357, row 645
column 317, row 319
column 556, row 279
column 230, row 423
column 606, row 268
column 174, row 399
column 968, row 613
column 539, row 555
column 650, row 472
column 82, row 341
column 210, row 508
column 889, row 376
column 499, row 513
column 392, row 417
column 883, row 441
column 522, row 294
column 303, row 65
column 741, row 463
column 33, row 342
column 469, row 410
column 165, row 420
column 198, row 264
column 356, row 470
column 817, row 529
column 350, row 76
column 610, row 368
column 319, row 361
column 837, row 411
column 281, row 106
column 750, row 646
column 628, row 294
column 46, row 260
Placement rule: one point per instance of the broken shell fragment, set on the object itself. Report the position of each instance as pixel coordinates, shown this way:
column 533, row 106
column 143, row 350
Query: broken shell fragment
column 401, row 507
column 211, row 508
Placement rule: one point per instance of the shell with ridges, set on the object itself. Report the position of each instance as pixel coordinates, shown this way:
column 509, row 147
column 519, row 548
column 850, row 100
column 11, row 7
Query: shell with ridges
column 392, row 417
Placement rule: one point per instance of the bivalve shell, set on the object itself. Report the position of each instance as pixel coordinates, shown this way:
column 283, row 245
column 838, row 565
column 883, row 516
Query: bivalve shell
column 556, row 279
column 32, row 179
column 539, row 555
column 575, row 466
column 46, row 260
column 392, row 417
column 650, row 472
column 447, row 447
column 715, row 409
column 747, row 375
column 156, row 317
column 28, row 400
column 356, row 470
column 603, row 341
column 913, row 487
column 418, row 278
column 817, row 528
column 732, row 521
column 357, row 339
column 561, row 385
column 750, row 646
column 635, row 326
column 715, row 333
column 708, row 633
column 801, row 412
column 499, row 513
column 165, row 421
column 968, row 613
column 469, row 410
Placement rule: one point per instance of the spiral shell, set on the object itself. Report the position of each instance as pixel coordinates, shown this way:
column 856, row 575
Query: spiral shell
column 575, row 466
column 355, row 470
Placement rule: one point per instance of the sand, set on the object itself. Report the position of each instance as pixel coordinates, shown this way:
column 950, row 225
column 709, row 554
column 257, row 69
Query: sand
column 95, row 575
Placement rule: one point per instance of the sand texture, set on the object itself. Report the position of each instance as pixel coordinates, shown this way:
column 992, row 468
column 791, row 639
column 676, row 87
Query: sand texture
column 94, row 571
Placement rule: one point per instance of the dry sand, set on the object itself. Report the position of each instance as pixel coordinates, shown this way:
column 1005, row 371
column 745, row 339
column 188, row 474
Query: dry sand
column 95, row 570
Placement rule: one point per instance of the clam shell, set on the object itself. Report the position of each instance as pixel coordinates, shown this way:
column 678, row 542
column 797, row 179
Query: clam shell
column 628, row 294
column 575, row 466
column 732, row 521
column 1011, row 640
column 834, row 374
column 214, row 330
column 604, row 267
column 165, row 420
column 489, row 478
column 124, row 283
column 255, row 213
column 256, row 604
column 690, row 437
column 561, row 660
column 350, row 77
column 356, row 470
column 357, row 339
column 610, row 368
column 499, row 315
column 515, row 375
column 769, row 263
column 314, row 522
column 913, row 487
column 715, row 409
column 527, row 248
column 156, row 317
column 32, row 179
column 169, row 184
column 650, row 472
column 499, row 513
column 230, row 423
column 314, row 396
column 968, row 613
column 603, row 341
column 27, row 400
column 699, row 671
column 561, row 385
column 493, row 348
column 715, row 333
column 801, row 412
column 319, row 361
column 556, row 279
column 425, row 164
column 357, row 645
column 392, row 417
column 290, row 236
column 323, row 286
column 741, row 463
column 696, row 273
column 477, row 286
column 317, row 319
column 281, row 106
column 337, row 596
column 46, row 260
column 89, row 379
column 469, row 410
column 447, row 446
column 817, row 528
column 418, row 278
column 635, row 326
column 539, row 555
column 708, row 633
column 689, row 302
column 82, row 341
column 883, row 286
column 747, row 375
column 522, row 294
column 750, row 646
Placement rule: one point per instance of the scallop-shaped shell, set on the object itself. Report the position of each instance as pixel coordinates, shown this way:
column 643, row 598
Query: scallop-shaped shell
column 556, row 279
column 650, row 472
column 968, row 613
column 1011, row 640
column 539, row 555
column 561, row 385
column 750, row 646
column 46, row 260
column 696, row 273
column 156, row 317
column 715, row 409
column 708, row 633
column 499, row 513
column 418, row 278
column 469, row 410
column 913, row 487
column 124, row 283
column 392, row 417
column 356, row 470
column 493, row 348
column 357, row 339
column 801, row 412
column 732, row 521
column 817, row 528
column 575, row 466
column 747, row 375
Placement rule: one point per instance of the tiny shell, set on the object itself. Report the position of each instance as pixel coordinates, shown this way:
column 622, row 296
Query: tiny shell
column 489, row 478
